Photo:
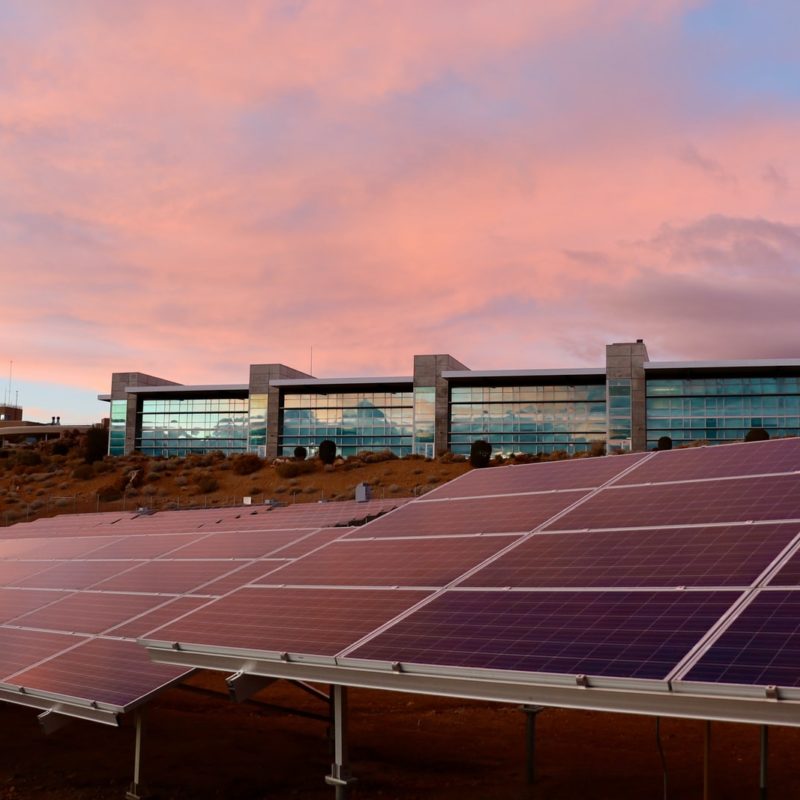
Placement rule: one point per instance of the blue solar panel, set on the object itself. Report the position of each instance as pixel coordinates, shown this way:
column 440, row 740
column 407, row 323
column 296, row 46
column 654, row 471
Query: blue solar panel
column 611, row 634
column 760, row 647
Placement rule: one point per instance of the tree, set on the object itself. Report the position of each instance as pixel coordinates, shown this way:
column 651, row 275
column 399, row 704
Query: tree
column 300, row 453
column 479, row 453
column 327, row 451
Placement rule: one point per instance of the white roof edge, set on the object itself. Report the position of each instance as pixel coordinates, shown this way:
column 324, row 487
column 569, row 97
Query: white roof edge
column 340, row 381
column 753, row 362
column 105, row 397
column 521, row 373
column 178, row 387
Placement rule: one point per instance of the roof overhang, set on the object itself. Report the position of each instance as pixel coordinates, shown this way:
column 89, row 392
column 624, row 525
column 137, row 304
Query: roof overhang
column 318, row 383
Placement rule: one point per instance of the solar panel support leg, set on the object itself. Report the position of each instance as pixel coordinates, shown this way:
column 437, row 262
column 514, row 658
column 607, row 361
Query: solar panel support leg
column 135, row 791
column 242, row 686
column 762, row 773
column 51, row 721
column 531, row 713
column 340, row 776
column 707, row 762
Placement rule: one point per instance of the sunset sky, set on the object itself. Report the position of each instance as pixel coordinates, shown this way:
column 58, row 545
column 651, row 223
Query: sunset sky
column 191, row 186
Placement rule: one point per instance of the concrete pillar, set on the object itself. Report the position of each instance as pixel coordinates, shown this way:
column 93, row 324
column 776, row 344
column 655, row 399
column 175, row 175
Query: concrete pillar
column 428, row 371
column 260, row 376
column 625, row 377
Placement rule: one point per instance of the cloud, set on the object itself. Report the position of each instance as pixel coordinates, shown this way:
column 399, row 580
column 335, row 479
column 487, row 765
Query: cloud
column 185, row 189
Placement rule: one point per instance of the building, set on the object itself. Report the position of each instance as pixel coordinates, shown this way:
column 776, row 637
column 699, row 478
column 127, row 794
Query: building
column 629, row 403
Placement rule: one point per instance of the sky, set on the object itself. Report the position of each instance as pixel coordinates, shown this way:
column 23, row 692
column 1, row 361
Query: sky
column 188, row 187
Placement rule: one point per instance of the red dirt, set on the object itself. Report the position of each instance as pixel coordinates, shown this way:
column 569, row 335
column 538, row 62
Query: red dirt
column 402, row 746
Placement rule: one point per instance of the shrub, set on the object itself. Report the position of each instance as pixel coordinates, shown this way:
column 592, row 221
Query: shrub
column 109, row 492
column 28, row 458
column 96, row 444
column 756, row 435
column 300, row 453
column 60, row 447
column 376, row 457
column 291, row 469
column 206, row 484
column 83, row 473
column 247, row 464
column 479, row 453
column 664, row 443
column 327, row 451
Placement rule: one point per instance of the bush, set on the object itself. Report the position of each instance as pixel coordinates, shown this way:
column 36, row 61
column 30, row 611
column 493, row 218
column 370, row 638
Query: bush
column 247, row 464
column 60, row 447
column 291, row 469
column 664, row 443
column 479, row 453
column 376, row 457
column 756, row 435
column 300, row 453
column 327, row 451
column 28, row 458
column 206, row 484
column 109, row 492
column 83, row 473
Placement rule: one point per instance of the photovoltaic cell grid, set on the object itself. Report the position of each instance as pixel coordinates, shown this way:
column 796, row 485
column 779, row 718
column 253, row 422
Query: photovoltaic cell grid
column 431, row 562
column 74, row 596
column 734, row 500
column 731, row 555
column 509, row 514
column 760, row 647
column 583, row 473
column 312, row 621
column 718, row 461
column 611, row 634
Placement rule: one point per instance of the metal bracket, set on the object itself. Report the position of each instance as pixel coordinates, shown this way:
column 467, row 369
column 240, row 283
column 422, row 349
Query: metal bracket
column 51, row 721
column 242, row 686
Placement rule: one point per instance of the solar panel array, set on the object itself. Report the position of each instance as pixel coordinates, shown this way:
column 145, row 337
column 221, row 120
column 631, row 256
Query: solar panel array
column 670, row 566
column 77, row 591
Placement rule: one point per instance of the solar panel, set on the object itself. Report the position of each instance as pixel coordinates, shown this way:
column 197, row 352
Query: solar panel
column 167, row 577
column 509, row 514
column 238, row 544
column 21, row 648
column 152, row 546
column 729, row 555
column 760, row 647
column 719, row 461
column 390, row 562
column 617, row 634
column 14, row 602
column 88, row 612
column 117, row 673
column 169, row 610
column 582, row 473
column 290, row 620
column 11, row 572
column 250, row 572
column 700, row 503
column 73, row 574
column 789, row 574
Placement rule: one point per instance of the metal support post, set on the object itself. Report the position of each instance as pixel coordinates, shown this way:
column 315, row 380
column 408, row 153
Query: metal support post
column 340, row 769
column 762, row 773
column 707, row 762
column 135, row 789
column 531, row 712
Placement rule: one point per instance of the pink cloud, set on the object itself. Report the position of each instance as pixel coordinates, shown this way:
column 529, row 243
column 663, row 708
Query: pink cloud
column 185, row 190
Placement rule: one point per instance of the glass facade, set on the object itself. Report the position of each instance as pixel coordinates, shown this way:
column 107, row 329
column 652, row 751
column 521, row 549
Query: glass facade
column 179, row 427
column 116, row 430
column 258, row 423
column 619, row 410
column 360, row 420
column 528, row 419
column 721, row 409
column 424, row 420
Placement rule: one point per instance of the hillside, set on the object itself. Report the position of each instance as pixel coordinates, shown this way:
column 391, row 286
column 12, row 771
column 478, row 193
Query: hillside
column 35, row 483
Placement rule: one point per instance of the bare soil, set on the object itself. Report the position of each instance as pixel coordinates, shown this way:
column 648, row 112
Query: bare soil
column 402, row 746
